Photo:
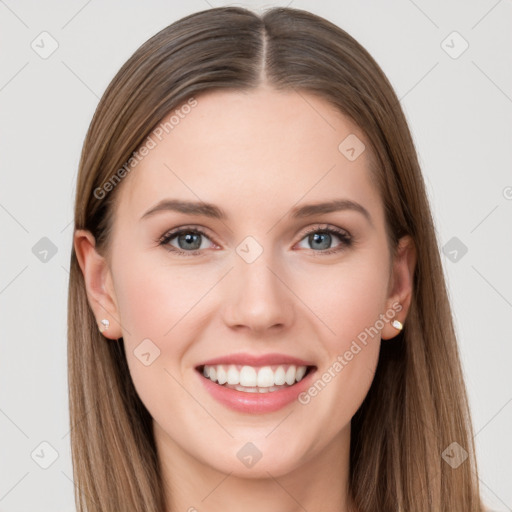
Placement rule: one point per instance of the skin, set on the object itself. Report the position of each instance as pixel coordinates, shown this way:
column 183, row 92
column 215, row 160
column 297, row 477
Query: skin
column 256, row 155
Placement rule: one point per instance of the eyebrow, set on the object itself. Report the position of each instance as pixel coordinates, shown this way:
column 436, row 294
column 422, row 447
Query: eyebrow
column 210, row 210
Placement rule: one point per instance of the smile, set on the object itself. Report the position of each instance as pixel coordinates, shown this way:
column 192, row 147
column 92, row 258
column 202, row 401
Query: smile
column 255, row 389
column 251, row 379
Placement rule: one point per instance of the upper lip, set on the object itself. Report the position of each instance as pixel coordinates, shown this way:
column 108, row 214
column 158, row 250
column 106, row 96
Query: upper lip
column 256, row 360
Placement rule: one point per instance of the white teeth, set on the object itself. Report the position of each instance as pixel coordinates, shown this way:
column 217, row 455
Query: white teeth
column 255, row 379
column 265, row 377
column 222, row 377
column 248, row 376
column 233, row 375
column 301, row 370
column 279, row 376
column 290, row 375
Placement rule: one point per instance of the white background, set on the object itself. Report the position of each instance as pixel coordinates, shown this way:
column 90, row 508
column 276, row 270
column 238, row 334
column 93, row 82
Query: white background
column 460, row 113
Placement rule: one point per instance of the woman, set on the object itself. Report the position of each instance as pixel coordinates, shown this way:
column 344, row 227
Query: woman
column 257, row 311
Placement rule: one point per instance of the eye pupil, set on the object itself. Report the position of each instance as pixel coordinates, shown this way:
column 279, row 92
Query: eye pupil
column 315, row 238
column 189, row 238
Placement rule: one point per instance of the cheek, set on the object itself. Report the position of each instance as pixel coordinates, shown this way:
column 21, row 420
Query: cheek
column 155, row 304
column 348, row 304
column 347, row 300
column 158, row 304
column 154, row 298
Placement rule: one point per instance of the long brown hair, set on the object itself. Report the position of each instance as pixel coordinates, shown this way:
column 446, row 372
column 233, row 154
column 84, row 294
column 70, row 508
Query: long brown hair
column 417, row 404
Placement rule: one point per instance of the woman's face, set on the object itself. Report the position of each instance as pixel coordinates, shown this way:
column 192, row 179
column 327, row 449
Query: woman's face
column 262, row 290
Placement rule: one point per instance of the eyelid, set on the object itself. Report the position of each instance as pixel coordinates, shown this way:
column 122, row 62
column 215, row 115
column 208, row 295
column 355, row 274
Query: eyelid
column 325, row 227
column 344, row 235
column 347, row 240
column 202, row 230
column 171, row 233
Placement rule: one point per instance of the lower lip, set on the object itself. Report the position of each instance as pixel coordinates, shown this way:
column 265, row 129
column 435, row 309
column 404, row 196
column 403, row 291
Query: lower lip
column 256, row 402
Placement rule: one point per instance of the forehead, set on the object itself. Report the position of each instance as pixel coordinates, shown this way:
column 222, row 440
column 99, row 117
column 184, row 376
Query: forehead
column 250, row 150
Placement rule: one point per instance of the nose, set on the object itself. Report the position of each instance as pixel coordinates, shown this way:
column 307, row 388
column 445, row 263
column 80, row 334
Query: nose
column 257, row 296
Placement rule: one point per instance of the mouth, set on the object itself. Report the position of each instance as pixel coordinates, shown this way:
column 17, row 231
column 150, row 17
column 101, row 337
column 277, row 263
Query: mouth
column 255, row 379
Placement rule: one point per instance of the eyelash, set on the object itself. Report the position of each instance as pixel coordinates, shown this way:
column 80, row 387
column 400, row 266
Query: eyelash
column 344, row 236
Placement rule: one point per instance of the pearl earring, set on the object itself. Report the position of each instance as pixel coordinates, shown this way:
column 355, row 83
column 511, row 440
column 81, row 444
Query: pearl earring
column 397, row 325
column 105, row 325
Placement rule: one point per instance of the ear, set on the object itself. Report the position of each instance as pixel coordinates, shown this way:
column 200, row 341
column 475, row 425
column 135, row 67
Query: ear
column 401, row 285
column 98, row 282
